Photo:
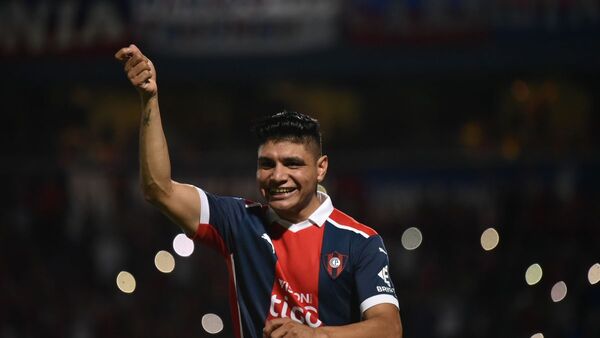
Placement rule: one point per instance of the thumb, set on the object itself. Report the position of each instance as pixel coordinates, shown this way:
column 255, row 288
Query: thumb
column 133, row 48
column 125, row 53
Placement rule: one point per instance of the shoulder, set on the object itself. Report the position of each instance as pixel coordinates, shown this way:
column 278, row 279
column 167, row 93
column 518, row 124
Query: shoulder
column 232, row 200
column 345, row 222
column 229, row 207
column 249, row 204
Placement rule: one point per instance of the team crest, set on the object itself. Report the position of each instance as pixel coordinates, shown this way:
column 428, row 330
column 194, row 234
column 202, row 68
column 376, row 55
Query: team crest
column 334, row 263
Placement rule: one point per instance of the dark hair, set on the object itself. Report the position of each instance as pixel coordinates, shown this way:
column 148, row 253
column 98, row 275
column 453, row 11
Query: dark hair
column 292, row 126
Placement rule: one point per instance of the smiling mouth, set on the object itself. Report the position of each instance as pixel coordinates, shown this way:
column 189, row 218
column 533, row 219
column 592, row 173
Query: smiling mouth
column 280, row 191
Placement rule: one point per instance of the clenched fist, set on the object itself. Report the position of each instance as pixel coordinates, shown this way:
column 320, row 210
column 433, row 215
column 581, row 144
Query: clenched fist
column 139, row 70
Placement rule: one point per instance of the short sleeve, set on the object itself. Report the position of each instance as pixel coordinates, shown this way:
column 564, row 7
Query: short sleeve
column 373, row 281
column 218, row 216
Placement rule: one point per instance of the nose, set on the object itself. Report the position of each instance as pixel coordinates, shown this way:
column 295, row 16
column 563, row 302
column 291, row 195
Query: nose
column 279, row 174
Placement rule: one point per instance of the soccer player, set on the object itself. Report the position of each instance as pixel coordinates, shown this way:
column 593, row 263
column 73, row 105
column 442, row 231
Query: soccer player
column 298, row 267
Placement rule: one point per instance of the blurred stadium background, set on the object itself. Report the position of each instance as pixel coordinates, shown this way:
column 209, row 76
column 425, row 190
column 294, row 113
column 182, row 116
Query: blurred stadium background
column 451, row 117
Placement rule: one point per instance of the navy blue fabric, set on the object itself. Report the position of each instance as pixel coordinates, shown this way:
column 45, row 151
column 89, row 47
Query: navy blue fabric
column 340, row 298
column 254, row 262
column 241, row 226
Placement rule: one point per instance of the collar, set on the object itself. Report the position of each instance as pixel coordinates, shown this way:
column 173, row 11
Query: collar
column 318, row 217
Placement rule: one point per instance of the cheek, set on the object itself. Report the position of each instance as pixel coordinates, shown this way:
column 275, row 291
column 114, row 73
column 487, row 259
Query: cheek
column 308, row 178
column 260, row 176
column 262, row 179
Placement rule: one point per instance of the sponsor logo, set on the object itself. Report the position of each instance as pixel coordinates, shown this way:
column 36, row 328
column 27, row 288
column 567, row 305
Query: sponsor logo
column 306, row 298
column 385, row 289
column 385, row 275
column 298, row 306
column 280, row 308
column 335, row 263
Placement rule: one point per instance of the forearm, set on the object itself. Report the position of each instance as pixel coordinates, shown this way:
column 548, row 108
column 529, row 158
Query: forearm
column 374, row 327
column 180, row 202
column 155, row 165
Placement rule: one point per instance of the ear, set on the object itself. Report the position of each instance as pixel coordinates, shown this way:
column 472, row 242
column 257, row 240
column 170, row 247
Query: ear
column 322, row 164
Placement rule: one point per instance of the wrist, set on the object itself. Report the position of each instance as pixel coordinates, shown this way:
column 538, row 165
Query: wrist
column 145, row 96
column 321, row 333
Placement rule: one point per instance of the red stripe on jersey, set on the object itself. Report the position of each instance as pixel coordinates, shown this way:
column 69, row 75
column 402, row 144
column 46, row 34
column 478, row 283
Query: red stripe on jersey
column 208, row 235
column 343, row 219
column 233, row 302
column 295, row 289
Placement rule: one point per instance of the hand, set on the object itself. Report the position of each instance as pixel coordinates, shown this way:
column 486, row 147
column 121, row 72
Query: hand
column 287, row 328
column 139, row 70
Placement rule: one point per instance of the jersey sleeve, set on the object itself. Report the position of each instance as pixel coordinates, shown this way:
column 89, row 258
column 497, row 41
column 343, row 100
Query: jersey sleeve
column 218, row 216
column 372, row 276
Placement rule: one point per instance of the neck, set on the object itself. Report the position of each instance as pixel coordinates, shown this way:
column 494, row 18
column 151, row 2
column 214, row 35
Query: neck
column 297, row 216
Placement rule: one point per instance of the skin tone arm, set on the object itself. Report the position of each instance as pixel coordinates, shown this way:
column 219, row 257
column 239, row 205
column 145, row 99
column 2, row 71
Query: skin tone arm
column 180, row 202
column 381, row 321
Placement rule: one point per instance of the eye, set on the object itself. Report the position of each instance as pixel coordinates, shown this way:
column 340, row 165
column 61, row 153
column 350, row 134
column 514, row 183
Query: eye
column 265, row 163
column 293, row 163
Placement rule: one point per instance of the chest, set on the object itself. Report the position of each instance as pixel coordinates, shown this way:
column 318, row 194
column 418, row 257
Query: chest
column 298, row 253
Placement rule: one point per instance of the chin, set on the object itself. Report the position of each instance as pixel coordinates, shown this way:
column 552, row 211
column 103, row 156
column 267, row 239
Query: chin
column 281, row 205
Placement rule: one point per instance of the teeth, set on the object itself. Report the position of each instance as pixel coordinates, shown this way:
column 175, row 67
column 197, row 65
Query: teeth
column 281, row 190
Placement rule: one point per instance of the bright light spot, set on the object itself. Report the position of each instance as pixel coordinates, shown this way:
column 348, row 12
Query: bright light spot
column 164, row 261
column 558, row 292
column 533, row 274
column 411, row 238
column 212, row 323
column 594, row 274
column 537, row 335
column 126, row 282
column 489, row 239
column 183, row 246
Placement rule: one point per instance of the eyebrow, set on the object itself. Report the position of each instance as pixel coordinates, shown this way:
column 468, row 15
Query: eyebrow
column 293, row 158
column 285, row 159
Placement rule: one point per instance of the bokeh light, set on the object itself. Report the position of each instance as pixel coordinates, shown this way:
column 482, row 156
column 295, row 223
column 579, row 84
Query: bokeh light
column 490, row 239
column 212, row 323
column 594, row 274
column 164, row 261
column 537, row 335
column 558, row 292
column 412, row 238
column 534, row 273
column 183, row 246
column 126, row 282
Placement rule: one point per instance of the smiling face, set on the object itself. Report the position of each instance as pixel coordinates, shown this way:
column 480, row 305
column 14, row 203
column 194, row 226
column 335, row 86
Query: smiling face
column 287, row 175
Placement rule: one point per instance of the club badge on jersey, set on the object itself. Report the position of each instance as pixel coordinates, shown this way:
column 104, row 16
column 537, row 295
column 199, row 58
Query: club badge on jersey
column 335, row 263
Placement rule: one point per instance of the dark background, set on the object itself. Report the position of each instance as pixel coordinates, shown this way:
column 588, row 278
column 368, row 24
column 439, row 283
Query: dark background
column 450, row 117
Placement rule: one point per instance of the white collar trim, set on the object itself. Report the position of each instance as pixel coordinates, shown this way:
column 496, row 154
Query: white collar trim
column 318, row 217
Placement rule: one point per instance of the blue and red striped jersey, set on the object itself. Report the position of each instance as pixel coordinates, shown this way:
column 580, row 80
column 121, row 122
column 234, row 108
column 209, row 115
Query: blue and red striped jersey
column 326, row 270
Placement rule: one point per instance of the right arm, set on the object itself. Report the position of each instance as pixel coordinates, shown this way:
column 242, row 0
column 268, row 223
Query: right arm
column 180, row 202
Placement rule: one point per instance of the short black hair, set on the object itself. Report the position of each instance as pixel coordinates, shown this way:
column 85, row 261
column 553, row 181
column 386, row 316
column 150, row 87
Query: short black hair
column 290, row 126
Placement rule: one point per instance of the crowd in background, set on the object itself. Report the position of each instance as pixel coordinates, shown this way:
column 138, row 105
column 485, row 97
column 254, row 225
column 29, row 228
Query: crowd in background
column 451, row 117
column 450, row 158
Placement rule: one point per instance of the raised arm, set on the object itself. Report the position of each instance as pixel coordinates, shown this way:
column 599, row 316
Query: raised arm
column 180, row 202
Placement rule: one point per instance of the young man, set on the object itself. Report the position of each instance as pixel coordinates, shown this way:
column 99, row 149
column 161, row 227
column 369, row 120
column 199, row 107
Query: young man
column 298, row 267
